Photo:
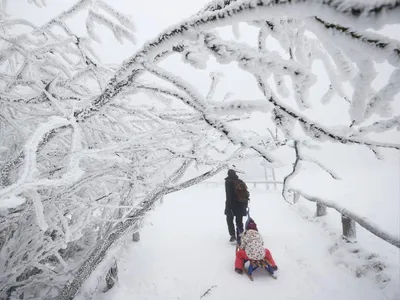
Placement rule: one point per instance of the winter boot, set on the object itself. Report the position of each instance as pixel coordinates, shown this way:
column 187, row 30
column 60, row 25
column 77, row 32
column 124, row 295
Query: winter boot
column 232, row 239
column 239, row 271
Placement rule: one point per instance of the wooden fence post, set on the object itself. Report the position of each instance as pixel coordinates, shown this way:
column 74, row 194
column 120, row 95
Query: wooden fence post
column 349, row 229
column 321, row 210
column 274, row 178
column 296, row 197
column 136, row 236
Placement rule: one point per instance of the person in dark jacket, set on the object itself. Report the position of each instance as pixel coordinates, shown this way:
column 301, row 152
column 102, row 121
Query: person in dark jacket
column 233, row 208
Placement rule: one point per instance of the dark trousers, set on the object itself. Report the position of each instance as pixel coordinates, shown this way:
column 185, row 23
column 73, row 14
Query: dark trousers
column 231, row 227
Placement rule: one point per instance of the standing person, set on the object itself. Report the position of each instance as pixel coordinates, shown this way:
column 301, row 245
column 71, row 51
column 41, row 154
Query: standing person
column 236, row 203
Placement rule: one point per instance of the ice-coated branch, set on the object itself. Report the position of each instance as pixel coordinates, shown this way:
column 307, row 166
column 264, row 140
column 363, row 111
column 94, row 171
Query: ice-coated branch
column 215, row 77
column 74, row 9
column 376, row 44
column 319, row 164
column 124, row 152
column 317, row 131
column 196, row 101
column 379, row 103
column 70, row 289
column 382, row 126
column 258, row 62
column 118, row 31
column 354, row 13
column 30, row 155
column 295, row 170
column 197, row 179
column 119, row 17
column 362, row 89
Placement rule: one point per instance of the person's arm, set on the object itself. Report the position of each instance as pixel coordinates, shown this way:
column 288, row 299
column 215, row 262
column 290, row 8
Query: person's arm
column 229, row 196
column 243, row 240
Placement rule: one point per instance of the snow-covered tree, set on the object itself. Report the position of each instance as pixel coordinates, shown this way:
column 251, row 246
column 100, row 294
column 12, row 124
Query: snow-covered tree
column 82, row 158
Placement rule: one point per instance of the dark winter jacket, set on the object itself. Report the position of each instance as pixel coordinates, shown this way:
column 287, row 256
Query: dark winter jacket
column 231, row 204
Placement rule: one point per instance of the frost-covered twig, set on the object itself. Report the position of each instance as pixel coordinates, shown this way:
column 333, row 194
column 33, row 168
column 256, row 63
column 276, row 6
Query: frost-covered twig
column 297, row 168
column 355, row 13
column 318, row 131
column 364, row 41
column 215, row 77
column 99, row 252
column 197, row 103
column 127, row 152
column 207, row 292
column 319, row 164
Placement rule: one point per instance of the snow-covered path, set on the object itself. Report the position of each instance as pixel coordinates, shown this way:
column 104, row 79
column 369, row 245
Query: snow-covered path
column 184, row 251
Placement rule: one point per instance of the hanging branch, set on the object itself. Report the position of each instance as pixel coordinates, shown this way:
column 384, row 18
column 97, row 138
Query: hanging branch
column 197, row 103
column 295, row 170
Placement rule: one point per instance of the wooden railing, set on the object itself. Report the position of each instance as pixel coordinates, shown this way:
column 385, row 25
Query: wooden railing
column 349, row 220
column 249, row 183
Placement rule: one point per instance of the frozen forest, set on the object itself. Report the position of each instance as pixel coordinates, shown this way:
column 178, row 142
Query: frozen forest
column 87, row 148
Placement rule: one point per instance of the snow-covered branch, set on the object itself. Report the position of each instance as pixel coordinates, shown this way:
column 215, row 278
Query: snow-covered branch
column 197, row 102
column 295, row 170
column 82, row 159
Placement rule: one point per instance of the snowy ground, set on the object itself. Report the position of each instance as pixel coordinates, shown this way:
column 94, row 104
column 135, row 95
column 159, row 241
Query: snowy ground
column 184, row 251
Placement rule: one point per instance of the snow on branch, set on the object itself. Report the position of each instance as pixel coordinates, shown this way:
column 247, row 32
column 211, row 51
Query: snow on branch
column 354, row 13
column 319, row 132
column 382, row 126
column 82, row 161
column 295, row 170
column 215, row 77
column 357, row 13
column 301, row 157
column 132, row 222
column 254, row 61
column 375, row 44
column 118, row 31
column 120, row 17
column 380, row 102
column 74, row 9
column 197, row 102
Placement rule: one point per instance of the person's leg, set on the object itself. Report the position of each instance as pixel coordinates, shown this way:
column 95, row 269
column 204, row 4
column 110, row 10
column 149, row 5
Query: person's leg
column 240, row 257
column 239, row 226
column 269, row 258
column 231, row 227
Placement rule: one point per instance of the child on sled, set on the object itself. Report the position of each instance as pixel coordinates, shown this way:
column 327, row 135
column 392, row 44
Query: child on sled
column 252, row 248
